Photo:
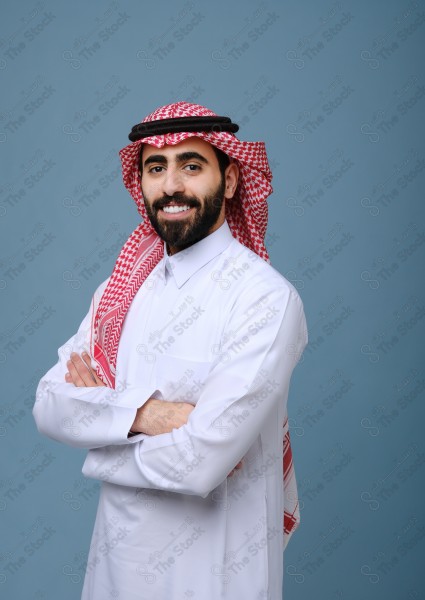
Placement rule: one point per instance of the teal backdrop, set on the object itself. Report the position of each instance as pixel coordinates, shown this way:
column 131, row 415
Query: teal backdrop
column 336, row 90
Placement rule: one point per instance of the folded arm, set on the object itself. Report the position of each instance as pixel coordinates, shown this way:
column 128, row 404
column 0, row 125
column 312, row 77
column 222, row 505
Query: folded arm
column 86, row 416
column 241, row 392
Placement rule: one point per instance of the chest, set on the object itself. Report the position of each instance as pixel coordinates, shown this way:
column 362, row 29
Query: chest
column 172, row 336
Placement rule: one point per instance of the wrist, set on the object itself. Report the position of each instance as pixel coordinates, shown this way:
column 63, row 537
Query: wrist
column 141, row 421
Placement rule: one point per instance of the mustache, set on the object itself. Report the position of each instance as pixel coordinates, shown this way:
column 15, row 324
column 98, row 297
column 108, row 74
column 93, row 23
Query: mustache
column 178, row 199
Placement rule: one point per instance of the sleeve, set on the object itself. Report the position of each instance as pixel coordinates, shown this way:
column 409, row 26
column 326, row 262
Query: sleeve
column 86, row 417
column 263, row 342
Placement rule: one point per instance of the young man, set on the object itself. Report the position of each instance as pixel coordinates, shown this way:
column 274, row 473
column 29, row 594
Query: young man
column 190, row 346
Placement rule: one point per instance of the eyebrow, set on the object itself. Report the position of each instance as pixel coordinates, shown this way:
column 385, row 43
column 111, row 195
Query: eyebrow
column 182, row 157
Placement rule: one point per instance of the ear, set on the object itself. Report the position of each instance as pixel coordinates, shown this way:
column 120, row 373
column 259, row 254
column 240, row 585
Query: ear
column 231, row 177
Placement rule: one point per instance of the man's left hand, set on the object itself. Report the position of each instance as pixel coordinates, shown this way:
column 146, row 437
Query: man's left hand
column 80, row 372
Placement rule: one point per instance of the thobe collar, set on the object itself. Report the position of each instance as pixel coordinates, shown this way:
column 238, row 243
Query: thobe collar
column 182, row 265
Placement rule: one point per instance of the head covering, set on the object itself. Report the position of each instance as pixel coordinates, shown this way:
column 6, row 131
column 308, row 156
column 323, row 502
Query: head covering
column 246, row 216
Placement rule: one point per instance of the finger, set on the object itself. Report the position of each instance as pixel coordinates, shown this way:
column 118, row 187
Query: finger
column 87, row 361
column 74, row 375
column 84, row 371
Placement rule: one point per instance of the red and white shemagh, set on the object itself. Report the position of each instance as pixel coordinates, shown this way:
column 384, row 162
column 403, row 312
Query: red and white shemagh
column 247, row 219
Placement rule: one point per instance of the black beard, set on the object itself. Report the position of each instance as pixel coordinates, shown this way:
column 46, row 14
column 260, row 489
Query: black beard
column 183, row 234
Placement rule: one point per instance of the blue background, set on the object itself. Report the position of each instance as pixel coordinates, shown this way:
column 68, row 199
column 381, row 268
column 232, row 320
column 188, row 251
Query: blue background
column 336, row 90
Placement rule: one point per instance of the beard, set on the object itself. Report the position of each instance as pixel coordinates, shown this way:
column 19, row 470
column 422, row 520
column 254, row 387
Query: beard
column 185, row 232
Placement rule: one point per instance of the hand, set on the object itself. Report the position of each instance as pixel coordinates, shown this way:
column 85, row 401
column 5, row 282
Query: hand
column 80, row 372
column 238, row 466
column 160, row 416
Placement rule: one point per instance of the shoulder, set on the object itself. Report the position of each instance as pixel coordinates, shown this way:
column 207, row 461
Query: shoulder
column 253, row 275
column 98, row 293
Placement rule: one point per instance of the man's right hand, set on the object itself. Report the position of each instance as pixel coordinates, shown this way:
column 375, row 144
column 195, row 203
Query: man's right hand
column 161, row 416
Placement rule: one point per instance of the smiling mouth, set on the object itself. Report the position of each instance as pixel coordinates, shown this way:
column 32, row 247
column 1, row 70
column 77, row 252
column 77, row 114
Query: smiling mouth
column 171, row 209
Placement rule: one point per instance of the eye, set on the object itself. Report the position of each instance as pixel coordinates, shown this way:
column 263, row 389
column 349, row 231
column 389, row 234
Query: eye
column 192, row 167
column 154, row 169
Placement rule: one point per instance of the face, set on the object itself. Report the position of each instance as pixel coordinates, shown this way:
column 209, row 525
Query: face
column 184, row 191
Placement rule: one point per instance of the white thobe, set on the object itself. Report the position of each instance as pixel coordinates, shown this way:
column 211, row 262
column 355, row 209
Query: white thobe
column 216, row 326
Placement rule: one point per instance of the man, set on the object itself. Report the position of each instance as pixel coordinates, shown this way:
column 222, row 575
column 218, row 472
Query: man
column 189, row 350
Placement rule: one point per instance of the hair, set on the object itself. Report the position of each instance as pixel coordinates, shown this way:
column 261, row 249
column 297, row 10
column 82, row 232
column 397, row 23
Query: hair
column 222, row 157
column 223, row 160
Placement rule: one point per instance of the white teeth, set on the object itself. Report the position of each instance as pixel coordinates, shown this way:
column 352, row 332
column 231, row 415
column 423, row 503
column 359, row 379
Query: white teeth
column 175, row 209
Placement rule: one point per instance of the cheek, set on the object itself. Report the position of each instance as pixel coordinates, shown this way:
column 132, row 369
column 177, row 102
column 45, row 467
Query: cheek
column 146, row 200
column 147, row 194
column 152, row 191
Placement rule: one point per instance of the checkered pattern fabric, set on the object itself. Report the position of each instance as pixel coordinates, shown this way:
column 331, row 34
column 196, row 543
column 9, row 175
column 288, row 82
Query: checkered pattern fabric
column 247, row 218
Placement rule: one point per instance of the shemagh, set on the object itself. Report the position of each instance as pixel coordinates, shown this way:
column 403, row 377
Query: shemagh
column 246, row 215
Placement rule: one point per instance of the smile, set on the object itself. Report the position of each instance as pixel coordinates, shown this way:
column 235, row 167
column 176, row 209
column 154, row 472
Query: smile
column 175, row 209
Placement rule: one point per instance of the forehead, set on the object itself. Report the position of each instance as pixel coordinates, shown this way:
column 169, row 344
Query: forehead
column 194, row 144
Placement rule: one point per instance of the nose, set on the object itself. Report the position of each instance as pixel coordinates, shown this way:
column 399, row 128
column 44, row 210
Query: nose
column 172, row 181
